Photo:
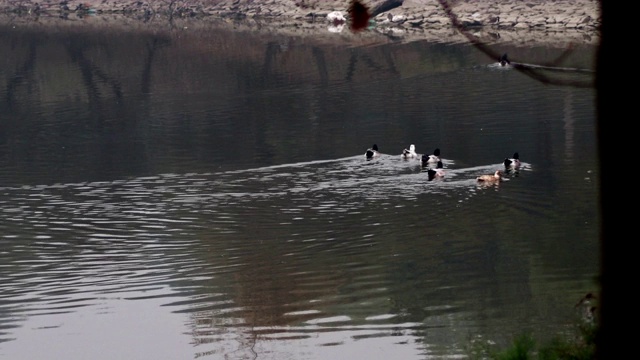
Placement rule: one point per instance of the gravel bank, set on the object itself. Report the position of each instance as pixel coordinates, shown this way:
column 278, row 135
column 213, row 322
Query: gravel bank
column 556, row 22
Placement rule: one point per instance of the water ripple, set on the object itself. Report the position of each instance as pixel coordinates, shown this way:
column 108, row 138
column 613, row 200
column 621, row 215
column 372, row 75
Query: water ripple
column 290, row 251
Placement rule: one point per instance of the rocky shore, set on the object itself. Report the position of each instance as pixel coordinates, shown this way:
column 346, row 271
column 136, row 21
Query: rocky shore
column 558, row 22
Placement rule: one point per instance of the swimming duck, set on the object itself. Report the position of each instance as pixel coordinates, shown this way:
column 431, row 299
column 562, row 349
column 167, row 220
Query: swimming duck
column 504, row 60
column 512, row 163
column 490, row 179
column 587, row 309
column 410, row 153
column 431, row 159
column 436, row 173
column 372, row 152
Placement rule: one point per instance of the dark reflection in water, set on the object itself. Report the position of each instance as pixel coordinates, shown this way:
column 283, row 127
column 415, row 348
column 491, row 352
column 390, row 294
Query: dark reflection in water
column 206, row 194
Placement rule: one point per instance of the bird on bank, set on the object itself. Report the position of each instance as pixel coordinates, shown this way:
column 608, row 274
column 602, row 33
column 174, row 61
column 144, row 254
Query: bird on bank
column 431, row 159
column 513, row 162
column 410, row 153
column 336, row 18
column 372, row 152
column 490, row 179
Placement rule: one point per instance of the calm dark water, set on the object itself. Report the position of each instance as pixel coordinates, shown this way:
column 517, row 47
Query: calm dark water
column 204, row 194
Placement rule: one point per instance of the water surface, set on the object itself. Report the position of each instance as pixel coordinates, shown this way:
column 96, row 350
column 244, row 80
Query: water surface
column 177, row 195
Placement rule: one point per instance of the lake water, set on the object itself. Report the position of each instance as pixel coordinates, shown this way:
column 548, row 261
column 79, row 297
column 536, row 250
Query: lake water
column 189, row 194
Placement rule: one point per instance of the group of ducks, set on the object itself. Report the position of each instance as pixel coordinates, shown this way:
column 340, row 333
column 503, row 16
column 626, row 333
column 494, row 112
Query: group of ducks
column 434, row 167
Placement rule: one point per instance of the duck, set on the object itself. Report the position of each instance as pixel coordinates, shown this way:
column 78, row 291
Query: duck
column 410, row 153
column 587, row 309
column 436, row 173
column 513, row 162
column 490, row 179
column 504, row 60
column 372, row 152
column 431, row 159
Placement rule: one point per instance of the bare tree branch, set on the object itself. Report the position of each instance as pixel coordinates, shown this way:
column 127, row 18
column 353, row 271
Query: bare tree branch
column 534, row 71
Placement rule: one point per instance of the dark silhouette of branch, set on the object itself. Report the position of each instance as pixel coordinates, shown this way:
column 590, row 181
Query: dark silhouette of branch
column 536, row 72
column 359, row 16
column 385, row 6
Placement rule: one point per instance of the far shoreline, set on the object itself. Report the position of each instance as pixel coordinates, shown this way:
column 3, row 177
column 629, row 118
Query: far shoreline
column 555, row 23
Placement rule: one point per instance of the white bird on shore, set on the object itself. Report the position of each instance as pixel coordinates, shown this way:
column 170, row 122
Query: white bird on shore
column 336, row 17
